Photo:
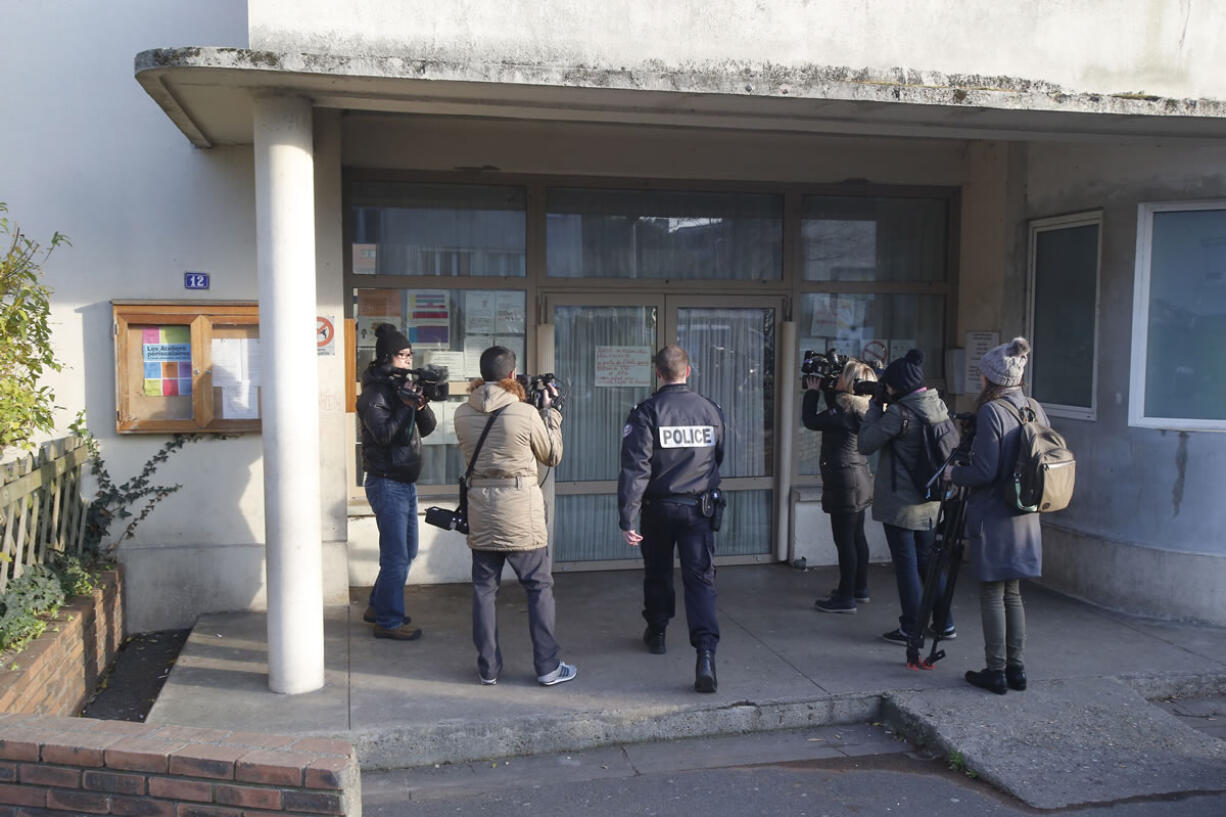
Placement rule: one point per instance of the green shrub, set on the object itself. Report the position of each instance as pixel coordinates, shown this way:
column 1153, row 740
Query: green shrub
column 36, row 592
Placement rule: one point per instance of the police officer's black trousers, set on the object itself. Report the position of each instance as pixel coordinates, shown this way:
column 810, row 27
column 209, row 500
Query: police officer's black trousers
column 665, row 525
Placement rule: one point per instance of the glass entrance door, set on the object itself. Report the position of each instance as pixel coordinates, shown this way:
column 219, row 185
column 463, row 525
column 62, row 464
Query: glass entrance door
column 602, row 355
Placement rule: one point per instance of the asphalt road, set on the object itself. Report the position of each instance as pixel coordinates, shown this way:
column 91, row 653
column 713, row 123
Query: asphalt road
column 859, row 770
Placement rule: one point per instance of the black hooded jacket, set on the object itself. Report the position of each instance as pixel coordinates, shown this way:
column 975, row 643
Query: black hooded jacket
column 391, row 431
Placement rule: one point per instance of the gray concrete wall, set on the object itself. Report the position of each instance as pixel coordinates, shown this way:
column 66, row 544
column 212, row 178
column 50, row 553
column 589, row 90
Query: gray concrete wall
column 1144, row 532
column 1113, row 46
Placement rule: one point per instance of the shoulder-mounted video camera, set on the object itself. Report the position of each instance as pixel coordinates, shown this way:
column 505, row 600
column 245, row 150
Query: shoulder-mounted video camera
column 430, row 382
column 827, row 366
column 536, row 386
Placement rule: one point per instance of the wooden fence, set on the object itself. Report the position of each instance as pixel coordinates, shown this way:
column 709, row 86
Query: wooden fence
column 41, row 509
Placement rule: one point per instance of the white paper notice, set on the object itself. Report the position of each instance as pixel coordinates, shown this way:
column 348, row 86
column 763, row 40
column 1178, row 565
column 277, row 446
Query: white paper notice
column 623, row 366
column 444, row 431
column 454, row 361
column 474, row 345
column 239, row 402
column 509, row 314
column 899, row 348
column 978, row 344
column 479, row 313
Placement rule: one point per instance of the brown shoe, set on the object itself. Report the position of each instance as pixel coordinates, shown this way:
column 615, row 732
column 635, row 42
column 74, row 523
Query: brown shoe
column 370, row 618
column 402, row 633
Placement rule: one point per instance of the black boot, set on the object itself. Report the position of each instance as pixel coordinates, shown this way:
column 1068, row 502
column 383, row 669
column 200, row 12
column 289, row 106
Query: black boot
column 1015, row 677
column 993, row 680
column 704, row 672
column 654, row 639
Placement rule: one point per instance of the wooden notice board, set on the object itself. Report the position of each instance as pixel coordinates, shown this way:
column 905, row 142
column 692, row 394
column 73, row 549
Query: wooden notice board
column 187, row 366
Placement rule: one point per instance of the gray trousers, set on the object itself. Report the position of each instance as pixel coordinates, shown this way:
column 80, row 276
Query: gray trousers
column 534, row 569
column 1004, row 623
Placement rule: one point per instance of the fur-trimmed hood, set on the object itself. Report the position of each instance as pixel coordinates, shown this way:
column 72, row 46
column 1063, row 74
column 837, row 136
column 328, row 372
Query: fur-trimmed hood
column 856, row 404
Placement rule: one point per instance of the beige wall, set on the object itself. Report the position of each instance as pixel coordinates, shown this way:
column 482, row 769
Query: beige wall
column 1113, row 46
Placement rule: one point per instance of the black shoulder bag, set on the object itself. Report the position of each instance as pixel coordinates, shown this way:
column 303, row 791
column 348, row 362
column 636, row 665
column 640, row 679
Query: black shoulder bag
column 457, row 520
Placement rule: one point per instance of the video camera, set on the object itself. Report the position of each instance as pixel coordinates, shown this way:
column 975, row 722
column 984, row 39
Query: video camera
column 536, row 386
column 430, row 382
column 827, row 366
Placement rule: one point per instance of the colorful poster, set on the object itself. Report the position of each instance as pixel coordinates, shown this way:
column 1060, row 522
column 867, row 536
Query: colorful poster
column 429, row 317
column 623, row 366
column 166, row 354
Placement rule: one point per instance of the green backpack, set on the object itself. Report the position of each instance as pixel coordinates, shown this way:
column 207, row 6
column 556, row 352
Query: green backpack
column 1042, row 478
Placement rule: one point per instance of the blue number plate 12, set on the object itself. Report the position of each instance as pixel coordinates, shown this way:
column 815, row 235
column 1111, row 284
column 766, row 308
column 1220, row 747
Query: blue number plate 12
column 195, row 280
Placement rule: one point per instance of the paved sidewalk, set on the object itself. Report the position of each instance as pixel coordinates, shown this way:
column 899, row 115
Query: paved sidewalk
column 781, row 665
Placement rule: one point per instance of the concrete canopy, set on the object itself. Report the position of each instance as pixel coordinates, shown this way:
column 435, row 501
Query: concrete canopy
column 207, row 93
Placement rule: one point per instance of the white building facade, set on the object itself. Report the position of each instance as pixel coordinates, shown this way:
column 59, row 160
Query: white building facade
column 587, row 182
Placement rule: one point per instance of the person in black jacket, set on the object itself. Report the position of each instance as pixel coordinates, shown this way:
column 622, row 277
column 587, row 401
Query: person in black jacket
column 672, row 447
column 393, row 423
column 847, row 483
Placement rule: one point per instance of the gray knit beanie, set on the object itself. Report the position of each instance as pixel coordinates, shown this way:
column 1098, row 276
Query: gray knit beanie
column 1005, row 364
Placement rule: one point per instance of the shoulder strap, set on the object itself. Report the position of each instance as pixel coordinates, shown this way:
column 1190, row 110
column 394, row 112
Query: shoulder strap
column 1016, row 411
column 468, row 475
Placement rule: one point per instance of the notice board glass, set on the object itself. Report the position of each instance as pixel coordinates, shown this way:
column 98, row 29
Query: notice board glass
column 187, row 367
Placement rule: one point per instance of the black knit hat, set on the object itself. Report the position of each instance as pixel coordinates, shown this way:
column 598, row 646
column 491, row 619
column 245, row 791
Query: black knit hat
column 906, row 374
column 389, row 341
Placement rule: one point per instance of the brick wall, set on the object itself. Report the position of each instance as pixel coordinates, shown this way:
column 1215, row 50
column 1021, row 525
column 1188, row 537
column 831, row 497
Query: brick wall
column 56, row 673
column 55, row 765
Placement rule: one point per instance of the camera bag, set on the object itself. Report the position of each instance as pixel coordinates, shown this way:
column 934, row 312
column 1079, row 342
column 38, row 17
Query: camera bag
column 458, row 519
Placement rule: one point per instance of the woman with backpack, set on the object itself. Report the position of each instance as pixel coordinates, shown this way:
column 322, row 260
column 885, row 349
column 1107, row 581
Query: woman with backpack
column 1005, row 543
column 894, row 426
column 847, row 487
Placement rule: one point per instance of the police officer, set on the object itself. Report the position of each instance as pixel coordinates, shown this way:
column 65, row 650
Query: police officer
column 672, row 446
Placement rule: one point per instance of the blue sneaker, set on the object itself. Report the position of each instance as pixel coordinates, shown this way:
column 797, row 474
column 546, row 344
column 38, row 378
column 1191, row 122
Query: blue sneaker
column 565, row 672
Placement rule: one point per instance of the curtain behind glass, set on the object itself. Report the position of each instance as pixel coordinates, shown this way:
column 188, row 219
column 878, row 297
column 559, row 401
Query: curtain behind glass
column 664, row 234
column 594, row 415
column 874, row 239
column 448, row 230
column 732, row 353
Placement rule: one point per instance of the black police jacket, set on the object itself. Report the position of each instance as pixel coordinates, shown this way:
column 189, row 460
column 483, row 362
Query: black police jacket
column 672, row 445
column 391, row 431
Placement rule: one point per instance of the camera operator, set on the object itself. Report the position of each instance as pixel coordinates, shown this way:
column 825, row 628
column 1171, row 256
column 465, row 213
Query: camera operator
column 1006, row 545
column 395, row 416
column 909, row 522
column 506, row 509
column 847, row 488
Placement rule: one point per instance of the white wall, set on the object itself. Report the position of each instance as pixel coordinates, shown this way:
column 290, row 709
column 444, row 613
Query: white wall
column 1161, row 47
column 85, row 151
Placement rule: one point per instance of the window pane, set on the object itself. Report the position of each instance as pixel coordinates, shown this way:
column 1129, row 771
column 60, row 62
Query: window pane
column 596, row 412
column 447, row 327
column 874, row 239
column 732, row 354
column 1065, row 290
column 872, row 327
column 664, row 234
column 448, row 230
column 1184, row 373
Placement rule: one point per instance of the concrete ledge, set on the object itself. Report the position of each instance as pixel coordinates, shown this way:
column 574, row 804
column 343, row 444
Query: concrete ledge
column 1134, row 579
column 457, row 741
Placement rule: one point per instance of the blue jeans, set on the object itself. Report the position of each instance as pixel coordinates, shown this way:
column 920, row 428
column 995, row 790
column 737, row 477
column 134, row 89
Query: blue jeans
column 395, row 507
column 910, row 550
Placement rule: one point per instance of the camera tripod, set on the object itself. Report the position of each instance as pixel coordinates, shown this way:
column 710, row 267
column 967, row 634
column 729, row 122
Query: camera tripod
column 942, row 576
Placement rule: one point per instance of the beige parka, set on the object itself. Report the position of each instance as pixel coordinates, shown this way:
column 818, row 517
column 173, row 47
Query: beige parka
column 506, row 509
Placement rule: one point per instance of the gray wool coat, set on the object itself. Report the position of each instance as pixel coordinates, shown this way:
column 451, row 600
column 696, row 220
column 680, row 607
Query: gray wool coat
column 1005, row 544
column 896, row 500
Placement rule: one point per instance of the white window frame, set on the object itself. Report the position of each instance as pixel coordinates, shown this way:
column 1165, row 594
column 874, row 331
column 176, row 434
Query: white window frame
column 1140, row 319
column 1041, row 225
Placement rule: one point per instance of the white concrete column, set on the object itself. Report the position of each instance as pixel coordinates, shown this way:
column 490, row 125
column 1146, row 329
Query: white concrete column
column 285, row 240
